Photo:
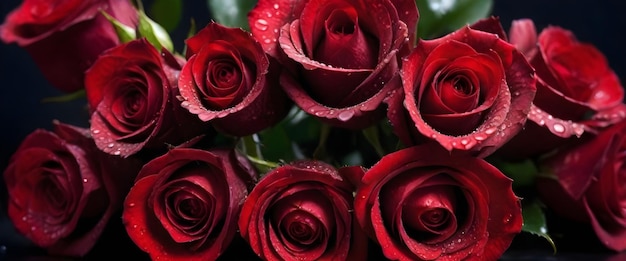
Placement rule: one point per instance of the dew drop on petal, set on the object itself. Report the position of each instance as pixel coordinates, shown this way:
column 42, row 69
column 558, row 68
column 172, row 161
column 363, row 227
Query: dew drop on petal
column 276, row 6
column 558, row 127
column 345, row 115
column 261, row 24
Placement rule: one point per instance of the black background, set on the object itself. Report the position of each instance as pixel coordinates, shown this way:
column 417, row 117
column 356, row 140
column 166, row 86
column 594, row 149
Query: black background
column 22, row 88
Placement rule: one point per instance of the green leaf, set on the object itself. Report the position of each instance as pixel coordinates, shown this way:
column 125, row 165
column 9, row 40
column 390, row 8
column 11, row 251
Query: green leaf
column 154, row 33
column 523, row 172
column 231, row 13
column 535, row 222
column 124, row 33
column 167, row 13
column 438, row 17
column 275, row 144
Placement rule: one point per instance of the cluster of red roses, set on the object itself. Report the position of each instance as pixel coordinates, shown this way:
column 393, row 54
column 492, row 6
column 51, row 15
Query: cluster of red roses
column 451, row 101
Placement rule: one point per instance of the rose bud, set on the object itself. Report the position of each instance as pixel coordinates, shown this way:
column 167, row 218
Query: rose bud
column 131, row 90
column 589, row 184
column 65, row 37
column 185, row 204
column 576, row 90
column 423, row 203
column 302, row 211
column 469, row 90
column 341, row 56
column 63, row 190
column 230, row 82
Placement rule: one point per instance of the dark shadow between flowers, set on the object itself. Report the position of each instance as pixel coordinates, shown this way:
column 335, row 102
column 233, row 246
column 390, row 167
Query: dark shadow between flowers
column 20, row 116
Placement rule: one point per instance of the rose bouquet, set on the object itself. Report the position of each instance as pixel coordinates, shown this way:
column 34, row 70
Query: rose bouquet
column 314, row 130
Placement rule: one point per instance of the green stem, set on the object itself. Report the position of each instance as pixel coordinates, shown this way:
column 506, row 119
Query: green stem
column 66, row 97
column 263, row 165
column 320, row 151
column 372, row 136
column 251, row 146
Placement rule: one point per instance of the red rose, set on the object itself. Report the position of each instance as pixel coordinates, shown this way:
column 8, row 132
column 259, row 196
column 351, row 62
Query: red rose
column 590, row 184
column 63, row 190
column 230, row 82
column 131, row 90
column 185, row 204
column 574, row 81
column 422, row 203
column 65, row 37
column 469, row 90
column 341, row 54
column 302, row 211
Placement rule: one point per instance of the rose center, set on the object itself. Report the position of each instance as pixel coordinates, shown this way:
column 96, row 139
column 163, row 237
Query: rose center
column 435, row 217
column 429, row 213
column 462, row 85
column 340, row 24
column 134, row 102
column 52, row 194
column 190, row 208
column 223, row 76
column 301, row 228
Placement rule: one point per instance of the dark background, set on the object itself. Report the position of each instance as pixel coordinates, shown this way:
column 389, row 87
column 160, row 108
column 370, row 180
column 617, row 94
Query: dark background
column 22, row 88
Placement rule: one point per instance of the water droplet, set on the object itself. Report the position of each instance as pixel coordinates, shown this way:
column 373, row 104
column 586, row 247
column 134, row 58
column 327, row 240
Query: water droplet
column 459, row 240
column 33, row 228
column 464, row 141
column 276, row 6
column 96, row 131
column 111, row 145
column 85, row 180
column 345, row 115
column 24, row 218
column 117, row 153
column 558, row 127
column 131, row 205
column 267, row 40
column 261, row 24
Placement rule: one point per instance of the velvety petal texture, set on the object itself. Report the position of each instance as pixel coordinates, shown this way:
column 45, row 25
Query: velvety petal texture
column 230, row 82
column 340, row 55
column 302, row 211
column 131, row 90
column 589, row 184
column 469, row 90
column 574, row 81
column 423, row 203
column 184, row 205
column 63, row 190
column 65, row 37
